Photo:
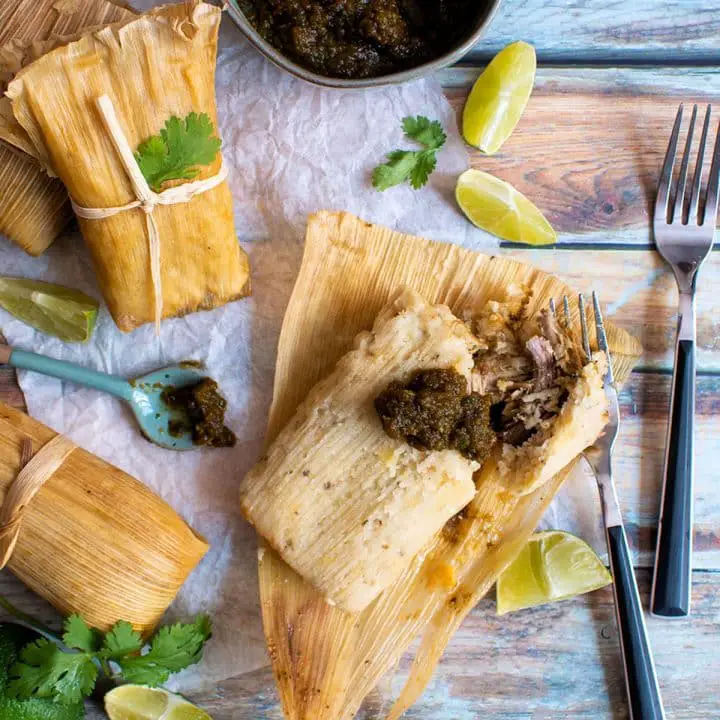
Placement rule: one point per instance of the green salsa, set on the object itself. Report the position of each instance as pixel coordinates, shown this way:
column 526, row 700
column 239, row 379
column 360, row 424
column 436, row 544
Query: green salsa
column 205, row 409
column 362, row 38
column 434, row 411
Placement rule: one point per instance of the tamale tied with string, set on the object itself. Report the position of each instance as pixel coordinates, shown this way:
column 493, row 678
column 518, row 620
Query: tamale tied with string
column 34, row 208
column 94, row 540
column 325, row 659
column 152, row 259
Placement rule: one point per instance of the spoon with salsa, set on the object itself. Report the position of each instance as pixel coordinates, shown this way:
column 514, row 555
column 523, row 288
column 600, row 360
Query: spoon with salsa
column 176, row 407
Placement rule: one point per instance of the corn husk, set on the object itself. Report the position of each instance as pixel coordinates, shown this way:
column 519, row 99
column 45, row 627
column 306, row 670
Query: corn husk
column 94, row 540
column 153, row 67
column 34, row 207
column 344, row 504
column 326, row 660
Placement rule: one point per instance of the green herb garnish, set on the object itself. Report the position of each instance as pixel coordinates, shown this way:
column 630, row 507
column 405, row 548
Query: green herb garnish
column 412, row 165
column 67, row 670
column 12, row 639
column 178, row 150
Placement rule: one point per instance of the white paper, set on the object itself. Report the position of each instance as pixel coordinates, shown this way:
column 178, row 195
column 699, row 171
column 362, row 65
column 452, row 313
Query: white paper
column 291, row 149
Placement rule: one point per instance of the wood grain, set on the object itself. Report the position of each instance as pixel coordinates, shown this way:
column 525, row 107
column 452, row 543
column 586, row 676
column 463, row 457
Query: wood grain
column 554, row 661
column 589, row 147
column 617, row 32
column 639, row 293
column 587, row 152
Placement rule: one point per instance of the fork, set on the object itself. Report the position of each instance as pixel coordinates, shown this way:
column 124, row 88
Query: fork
column 684, row 234
column 641, row 683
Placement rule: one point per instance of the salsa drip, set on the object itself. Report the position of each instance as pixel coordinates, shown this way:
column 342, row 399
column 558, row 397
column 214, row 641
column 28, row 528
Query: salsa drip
column 434, row 411
column 362, row 38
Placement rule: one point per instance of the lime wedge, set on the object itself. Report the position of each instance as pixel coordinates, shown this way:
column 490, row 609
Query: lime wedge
column 498, row 97
column 136, row 702
column 554, row 565
column 497, row 207
column 53, row 309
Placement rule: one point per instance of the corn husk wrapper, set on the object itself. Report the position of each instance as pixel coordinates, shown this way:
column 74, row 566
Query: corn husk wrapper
column 153, row 67
column 326, row 660
column 34, row 208
column 94, row 540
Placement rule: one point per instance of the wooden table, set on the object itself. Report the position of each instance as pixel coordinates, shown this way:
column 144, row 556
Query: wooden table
column 587, row 151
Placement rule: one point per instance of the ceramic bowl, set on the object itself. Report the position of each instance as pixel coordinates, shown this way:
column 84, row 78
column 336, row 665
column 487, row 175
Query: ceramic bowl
column 282, row 61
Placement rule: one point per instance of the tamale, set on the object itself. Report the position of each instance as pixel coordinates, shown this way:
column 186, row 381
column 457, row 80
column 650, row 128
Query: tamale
column 326, row 660
column 94, row 540
column 34, row 208
column 343, row 503
column 152, row 68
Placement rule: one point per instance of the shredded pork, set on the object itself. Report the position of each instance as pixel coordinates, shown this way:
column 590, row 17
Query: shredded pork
column 525, row 365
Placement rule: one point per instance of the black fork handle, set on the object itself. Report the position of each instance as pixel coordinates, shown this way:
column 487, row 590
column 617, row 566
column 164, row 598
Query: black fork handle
column 671, row 586
column 642, row 687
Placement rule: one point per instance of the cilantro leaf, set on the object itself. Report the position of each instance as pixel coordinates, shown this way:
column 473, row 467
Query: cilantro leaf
column 424, row 165
column 12, row 638
column 47, row 669
column 414, row 166
column 80, row 636
column 396, row 171
column 44, row 671
column 121, row 640
column 426, row 132
column 176, row 153
column 174, row 648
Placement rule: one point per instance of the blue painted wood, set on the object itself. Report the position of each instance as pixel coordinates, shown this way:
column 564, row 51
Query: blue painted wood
column 561, row 660
column 609, row 32
column 554, row 661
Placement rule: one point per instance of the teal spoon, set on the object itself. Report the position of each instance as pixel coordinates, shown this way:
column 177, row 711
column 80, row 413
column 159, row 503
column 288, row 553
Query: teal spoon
column 142, row 394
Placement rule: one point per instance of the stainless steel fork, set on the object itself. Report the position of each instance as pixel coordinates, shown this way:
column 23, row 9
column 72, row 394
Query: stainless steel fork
column 684, row 234
column 641, row 683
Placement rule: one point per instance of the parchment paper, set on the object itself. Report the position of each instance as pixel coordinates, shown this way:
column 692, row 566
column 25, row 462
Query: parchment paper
column 291, row 149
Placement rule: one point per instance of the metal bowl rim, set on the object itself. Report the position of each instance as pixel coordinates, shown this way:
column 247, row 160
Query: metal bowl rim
column 285, row 63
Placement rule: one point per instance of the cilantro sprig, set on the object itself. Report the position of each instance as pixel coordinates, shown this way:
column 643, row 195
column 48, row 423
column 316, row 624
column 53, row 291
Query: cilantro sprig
column 176, row 153
column 66, row 670
column 412, row 165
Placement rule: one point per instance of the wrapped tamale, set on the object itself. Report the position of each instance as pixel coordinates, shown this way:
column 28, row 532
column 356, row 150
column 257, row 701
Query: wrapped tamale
column 34, row 208
column 327, row 660
column 156, row 73
column 94, row 540
column 343, row 503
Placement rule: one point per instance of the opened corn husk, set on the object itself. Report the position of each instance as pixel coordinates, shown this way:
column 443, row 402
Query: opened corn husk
column 327, row 660
column 35, row 208
column 153, row 67
column 94, row 540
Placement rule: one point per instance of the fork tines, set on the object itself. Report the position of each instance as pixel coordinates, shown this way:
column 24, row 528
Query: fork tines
column 600, row 334
column 677, row 210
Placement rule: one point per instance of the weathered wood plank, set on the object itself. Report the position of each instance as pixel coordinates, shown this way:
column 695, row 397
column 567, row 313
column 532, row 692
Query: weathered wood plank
column 639, row 293
column 9, row 391
column 590, row 145
column 638, row 465
column 560, row 660
column 637, row 290
column 608, row 31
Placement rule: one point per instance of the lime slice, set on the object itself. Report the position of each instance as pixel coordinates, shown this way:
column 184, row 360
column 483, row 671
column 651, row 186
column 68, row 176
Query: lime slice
column 497, row 207
column 53, row 309
column 498, row 97
column 554, row 565
column 136, row 702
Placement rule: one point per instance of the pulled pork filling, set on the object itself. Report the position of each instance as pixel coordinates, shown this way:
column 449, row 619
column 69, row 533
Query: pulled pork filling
column 526, row 367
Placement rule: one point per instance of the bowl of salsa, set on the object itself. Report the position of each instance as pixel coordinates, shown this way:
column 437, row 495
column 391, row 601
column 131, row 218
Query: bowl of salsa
column 362, row 43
